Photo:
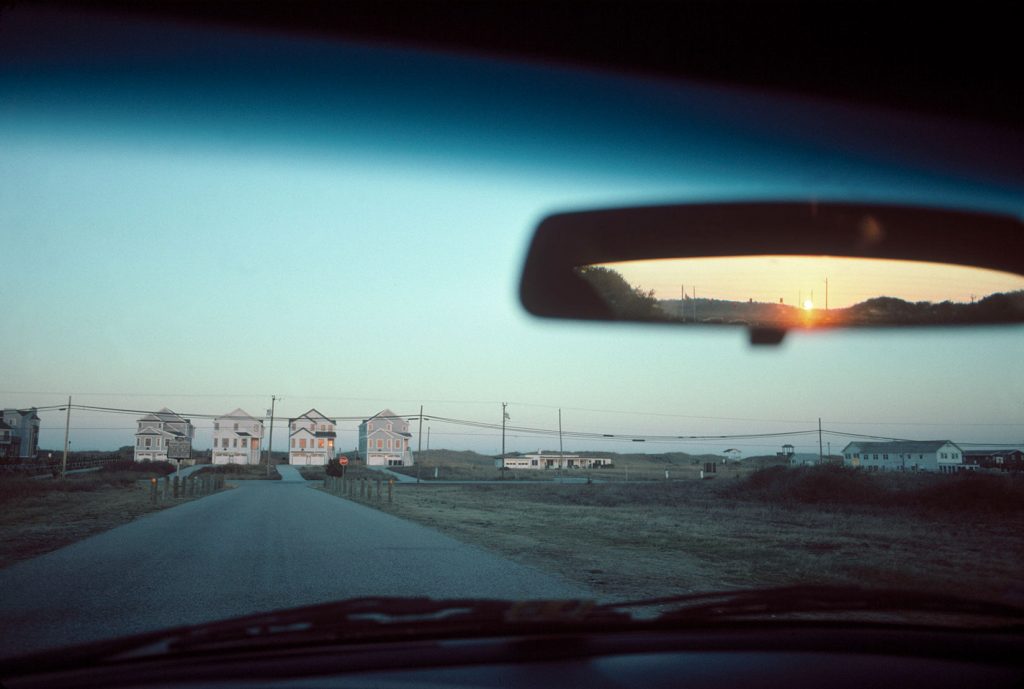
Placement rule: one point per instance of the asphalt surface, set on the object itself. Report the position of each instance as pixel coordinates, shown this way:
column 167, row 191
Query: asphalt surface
column 260, row 546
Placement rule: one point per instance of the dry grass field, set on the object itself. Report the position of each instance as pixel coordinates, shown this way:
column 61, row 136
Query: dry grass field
column 243, row 472
column 41, row 515
column 779, row 527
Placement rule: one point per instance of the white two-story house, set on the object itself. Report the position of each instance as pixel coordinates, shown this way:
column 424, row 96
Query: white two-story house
column 384, row 440
column 943, row 456
column 154, row 430
column 237, row 437
column 19, row 433
column 311, row 439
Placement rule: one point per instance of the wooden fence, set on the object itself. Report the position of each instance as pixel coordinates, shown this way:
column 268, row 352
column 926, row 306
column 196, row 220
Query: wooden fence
column 177, row 488
column 363, row 489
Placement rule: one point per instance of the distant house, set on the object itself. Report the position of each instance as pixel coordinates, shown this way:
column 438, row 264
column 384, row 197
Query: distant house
column 155, row 430
column 943, row 456
column 1004, row 460
column 19, row 434
column 237, row 437
column 804, row 459
column 311, row 439
column 796, row 459
column 553, row 460
column 384, row 440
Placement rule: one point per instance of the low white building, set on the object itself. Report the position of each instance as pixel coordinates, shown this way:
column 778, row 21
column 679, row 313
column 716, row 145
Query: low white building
column 384, row 440
column 155, row 430
column 311, row 439
column 943, row 456
column 237, row 438
column 553, row 460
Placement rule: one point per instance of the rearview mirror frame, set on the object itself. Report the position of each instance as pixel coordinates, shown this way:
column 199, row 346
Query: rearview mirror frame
column 550, row 287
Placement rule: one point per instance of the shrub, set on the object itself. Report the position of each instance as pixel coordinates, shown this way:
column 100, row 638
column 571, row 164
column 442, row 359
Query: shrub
column 128, row 465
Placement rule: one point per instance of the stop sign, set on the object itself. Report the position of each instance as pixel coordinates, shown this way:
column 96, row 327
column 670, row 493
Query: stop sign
column 343, row 461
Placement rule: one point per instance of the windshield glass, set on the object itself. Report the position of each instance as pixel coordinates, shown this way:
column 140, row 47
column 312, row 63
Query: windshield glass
column 263, row 348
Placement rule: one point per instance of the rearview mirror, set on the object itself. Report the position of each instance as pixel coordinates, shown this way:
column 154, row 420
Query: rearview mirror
column 774, row 267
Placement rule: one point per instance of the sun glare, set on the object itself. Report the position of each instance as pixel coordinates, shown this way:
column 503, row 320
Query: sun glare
column 808, row 304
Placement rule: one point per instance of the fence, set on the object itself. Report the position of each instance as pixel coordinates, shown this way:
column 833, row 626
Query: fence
column 177, row 488
column 364, row 489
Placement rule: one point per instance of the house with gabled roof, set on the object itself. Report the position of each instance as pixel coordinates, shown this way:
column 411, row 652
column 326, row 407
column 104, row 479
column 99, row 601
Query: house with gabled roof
column 237, row 438
column 156, row 430
column 384, row 440
column 311, row 439
column 943, row 456
column 19, row 433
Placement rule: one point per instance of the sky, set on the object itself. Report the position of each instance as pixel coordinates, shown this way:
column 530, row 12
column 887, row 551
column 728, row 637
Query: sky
column 201, row 221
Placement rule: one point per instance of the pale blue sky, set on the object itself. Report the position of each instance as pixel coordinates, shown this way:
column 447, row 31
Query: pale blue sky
column 346, row 230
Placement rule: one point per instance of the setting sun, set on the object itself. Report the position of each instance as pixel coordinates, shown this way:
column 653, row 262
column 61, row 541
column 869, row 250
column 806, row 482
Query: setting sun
column 808, row 304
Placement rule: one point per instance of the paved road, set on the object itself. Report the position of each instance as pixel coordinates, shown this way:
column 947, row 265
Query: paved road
column 262, row 545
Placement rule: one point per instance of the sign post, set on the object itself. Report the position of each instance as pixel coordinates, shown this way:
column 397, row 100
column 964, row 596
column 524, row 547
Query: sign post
column 179, row 449
column 343, row 461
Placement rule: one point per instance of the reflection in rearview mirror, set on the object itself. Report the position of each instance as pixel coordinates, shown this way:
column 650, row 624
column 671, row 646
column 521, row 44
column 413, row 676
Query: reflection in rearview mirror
column 786, row 292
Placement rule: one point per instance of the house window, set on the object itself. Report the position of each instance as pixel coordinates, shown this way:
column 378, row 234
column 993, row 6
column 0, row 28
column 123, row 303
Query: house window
column 216, row 426
column 320, row 443
column 293, row 442
column 302, row 443
column 236, row 426
column 330, row 442
column 380, row 444
column 149, row 442
column 234, row 442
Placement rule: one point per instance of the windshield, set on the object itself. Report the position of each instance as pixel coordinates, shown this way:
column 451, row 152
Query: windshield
column 263, row 346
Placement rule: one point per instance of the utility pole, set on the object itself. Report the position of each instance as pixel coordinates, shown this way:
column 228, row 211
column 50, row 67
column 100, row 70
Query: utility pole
column 419, row 445
column 820, row 457
column 428, row 439
column 561, row 457
column 504, row 418
column 67, row 430
column 270, row 443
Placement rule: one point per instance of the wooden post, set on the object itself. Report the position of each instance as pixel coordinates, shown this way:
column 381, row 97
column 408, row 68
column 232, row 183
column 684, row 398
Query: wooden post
column 177, row 487
column 378, row 490
column 167, row 487
column 152, row 490
column 391, row 482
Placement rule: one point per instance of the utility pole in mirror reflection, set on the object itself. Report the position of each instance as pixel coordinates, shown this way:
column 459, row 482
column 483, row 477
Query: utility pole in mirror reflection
column 820, row 457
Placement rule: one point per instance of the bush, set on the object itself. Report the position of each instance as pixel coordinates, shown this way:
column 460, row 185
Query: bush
column 128, row 465
column 837, row 485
